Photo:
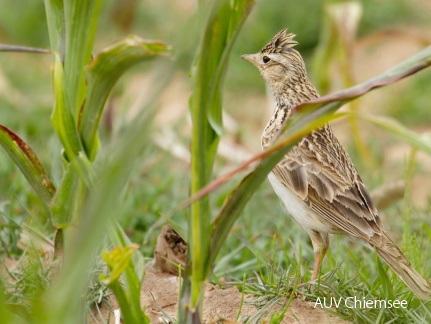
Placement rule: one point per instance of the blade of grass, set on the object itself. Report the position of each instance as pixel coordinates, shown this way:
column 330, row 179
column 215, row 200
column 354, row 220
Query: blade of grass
column 407, row 208
column 391, row 125
column 384, row 281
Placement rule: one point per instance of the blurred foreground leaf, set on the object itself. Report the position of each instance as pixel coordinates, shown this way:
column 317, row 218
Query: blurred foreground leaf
column 118, row 259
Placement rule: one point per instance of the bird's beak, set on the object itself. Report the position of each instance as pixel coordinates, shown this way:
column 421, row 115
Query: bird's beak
column 252, row 58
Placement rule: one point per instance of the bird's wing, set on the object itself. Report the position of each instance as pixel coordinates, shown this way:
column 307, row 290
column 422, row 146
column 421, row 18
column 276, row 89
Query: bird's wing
column 321, row 173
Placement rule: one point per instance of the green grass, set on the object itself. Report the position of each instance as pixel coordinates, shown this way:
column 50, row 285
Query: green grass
column 414, row 96
column 348, row 270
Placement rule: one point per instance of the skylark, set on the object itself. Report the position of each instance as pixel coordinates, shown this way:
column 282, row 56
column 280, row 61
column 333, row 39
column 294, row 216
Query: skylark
column 316, row 180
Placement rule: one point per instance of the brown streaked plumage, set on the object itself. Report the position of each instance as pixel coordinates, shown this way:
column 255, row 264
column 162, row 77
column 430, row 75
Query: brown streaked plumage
column 316, row 180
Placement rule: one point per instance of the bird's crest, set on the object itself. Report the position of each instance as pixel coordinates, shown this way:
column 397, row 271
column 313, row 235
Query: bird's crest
column 282, row 42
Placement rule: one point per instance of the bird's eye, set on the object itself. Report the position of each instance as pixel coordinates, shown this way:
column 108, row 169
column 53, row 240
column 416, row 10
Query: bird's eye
column 266, row 59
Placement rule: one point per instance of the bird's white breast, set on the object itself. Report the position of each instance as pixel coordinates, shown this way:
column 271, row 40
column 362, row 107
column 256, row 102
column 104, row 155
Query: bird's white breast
column 296, row 207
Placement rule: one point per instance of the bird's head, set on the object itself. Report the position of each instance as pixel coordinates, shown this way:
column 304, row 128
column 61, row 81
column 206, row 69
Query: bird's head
column 278, row 62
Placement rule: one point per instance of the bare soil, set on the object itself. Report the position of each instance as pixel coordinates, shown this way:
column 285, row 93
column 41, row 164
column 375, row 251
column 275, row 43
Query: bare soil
column 160, row 291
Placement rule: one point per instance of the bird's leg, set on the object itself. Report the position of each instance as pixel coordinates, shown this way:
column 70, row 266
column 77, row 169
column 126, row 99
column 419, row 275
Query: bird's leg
column 318, row 262
column 320, row 244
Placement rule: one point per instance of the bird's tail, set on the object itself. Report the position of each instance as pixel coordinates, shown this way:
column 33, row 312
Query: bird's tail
column 393, row 256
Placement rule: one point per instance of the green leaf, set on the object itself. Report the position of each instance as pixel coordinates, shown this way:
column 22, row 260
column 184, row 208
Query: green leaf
column 104, row 72
column 68, row 201
column 120, row 238
column 81, row 18
column 225, row 20
column 118, row 259
column 391, row 125
column 29, row 164
column 62, row 118
column 176, row 226
column 84, row 168
column 55, row 19
column 220, row 36
column 12, row 313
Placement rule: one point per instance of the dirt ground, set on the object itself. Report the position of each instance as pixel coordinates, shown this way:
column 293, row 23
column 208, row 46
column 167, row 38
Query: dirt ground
column 160, row 291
